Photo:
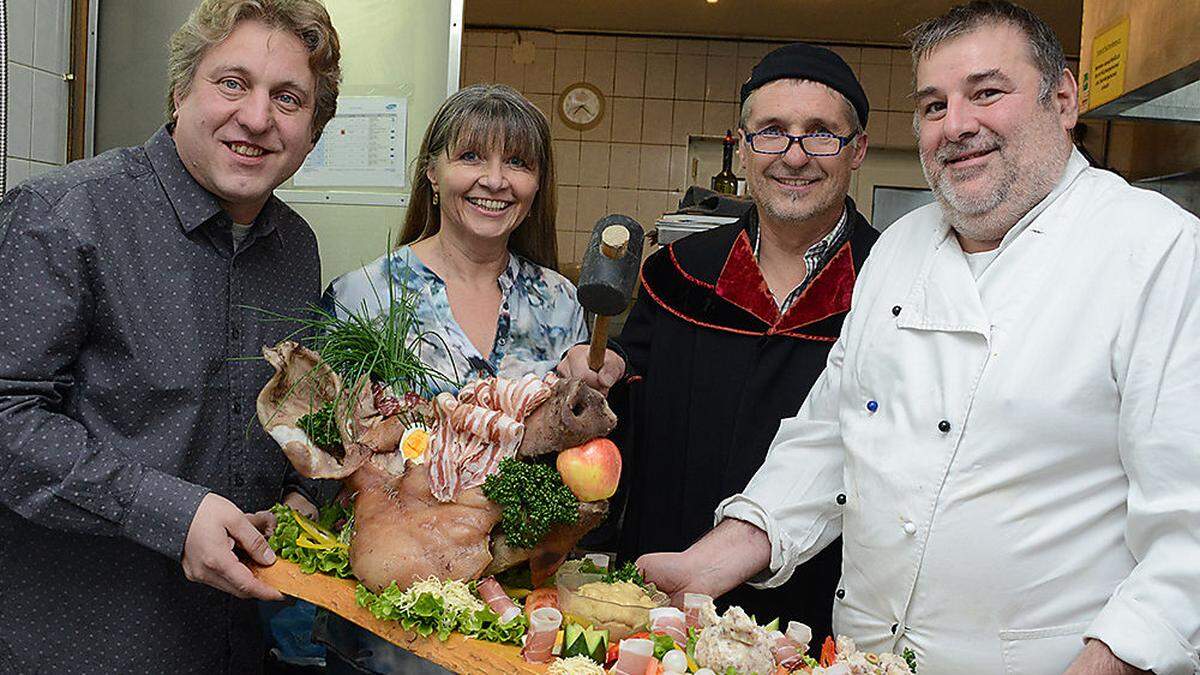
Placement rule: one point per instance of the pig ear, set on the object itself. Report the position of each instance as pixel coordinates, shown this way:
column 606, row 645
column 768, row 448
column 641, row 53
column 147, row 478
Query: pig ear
column 313, row 462
column 303, row 383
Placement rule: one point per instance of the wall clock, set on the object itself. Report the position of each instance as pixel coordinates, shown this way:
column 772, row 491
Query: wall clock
column 581, row 106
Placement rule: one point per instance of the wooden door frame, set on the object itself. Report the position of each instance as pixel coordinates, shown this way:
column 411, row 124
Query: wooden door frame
column 77, row 81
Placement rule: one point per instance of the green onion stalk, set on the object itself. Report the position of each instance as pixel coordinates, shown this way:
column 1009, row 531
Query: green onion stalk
column 361, row 349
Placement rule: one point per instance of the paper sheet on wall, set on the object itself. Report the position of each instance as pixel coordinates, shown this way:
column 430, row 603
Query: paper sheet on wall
column 362, row 146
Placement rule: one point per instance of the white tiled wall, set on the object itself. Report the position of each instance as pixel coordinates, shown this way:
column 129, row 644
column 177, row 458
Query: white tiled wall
column 38, row 54
column 661, row 91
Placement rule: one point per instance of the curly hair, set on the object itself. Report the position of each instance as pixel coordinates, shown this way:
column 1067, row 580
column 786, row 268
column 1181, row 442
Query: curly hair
column 213, row 21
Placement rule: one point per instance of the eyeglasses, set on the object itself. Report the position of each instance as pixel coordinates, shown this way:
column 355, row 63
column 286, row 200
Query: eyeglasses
column 773, row 142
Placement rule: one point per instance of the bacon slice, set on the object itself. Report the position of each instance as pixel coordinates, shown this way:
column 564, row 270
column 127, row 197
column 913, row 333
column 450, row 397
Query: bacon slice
column 539, row 598
column 786, row 654
column 543, row 630
column 493, row 594
column 633, row 655
column 669, row 621
column 789, row 649
column 700, row 610
column 385, row 403
column 476, row 429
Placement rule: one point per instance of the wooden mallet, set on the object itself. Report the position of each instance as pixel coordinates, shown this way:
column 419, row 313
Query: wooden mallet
column 607, row 276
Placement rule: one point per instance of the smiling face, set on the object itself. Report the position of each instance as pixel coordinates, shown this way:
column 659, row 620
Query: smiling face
column 793, row 187
column 484, row 190
column 990, row 148
column 245, row 125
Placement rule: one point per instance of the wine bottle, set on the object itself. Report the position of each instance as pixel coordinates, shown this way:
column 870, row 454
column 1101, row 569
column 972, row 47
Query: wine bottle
column 726, row 182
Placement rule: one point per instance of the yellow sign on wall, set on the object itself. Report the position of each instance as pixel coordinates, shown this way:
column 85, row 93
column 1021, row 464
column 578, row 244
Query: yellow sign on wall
column 1110, row 55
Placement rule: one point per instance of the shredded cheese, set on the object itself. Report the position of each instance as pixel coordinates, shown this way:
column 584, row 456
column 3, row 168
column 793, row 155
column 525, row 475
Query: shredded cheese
column 576, row 665
column 456, row 596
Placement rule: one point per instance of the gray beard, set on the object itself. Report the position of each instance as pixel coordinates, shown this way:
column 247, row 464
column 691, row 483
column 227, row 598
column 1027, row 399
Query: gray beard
column 1007, row 206
column 990, row 216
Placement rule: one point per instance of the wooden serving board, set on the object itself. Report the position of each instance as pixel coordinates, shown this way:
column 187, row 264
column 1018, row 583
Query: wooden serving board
column 459, row 654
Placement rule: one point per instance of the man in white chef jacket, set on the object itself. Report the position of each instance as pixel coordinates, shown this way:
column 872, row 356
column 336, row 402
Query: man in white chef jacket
column 1007, row 433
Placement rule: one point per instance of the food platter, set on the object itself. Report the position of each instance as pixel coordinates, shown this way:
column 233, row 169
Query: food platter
column 446, row 499
column 459, row 654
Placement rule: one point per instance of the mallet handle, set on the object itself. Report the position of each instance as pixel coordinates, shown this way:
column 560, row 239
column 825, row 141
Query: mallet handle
column 599, row 343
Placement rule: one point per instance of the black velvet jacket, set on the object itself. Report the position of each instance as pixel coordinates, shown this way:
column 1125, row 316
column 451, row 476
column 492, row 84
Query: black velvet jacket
column 713, row 369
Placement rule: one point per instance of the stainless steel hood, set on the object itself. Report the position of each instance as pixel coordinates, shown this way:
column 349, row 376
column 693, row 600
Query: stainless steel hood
column 1140, row 59
column 1175, row 97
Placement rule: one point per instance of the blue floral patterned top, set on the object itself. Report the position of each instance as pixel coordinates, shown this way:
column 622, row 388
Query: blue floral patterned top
column 539, row 315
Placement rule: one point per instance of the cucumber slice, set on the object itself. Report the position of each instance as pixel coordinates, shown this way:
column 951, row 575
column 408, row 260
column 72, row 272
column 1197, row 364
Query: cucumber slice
column 573, row 643
column 597, row 644
column 774, row 625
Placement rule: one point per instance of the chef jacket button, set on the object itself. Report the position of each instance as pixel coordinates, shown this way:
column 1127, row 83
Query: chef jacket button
column 841, row 593
column 841, row 498
column 896, row 310
column 895, row 627
column 910, row 528
column 944, row 426
column 872, row 406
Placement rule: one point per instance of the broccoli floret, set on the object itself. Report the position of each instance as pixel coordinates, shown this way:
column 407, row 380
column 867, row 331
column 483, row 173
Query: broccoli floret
column 533, row 499
column 322, row 430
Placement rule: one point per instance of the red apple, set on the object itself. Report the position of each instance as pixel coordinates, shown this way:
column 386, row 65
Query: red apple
column 591, row 470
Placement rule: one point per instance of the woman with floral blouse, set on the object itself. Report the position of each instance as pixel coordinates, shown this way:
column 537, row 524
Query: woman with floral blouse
column 477, row 254
column 478, row 246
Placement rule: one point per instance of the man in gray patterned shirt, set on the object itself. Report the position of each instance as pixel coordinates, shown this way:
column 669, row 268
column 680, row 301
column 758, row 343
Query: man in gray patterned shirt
column 130, row 463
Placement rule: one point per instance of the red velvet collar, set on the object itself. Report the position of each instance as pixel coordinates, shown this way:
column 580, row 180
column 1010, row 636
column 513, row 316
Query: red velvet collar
column 827, row 294
column 742, row 283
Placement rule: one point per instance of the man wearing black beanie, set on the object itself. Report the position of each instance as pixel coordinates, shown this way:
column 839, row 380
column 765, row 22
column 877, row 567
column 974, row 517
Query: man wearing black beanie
column 732, row 326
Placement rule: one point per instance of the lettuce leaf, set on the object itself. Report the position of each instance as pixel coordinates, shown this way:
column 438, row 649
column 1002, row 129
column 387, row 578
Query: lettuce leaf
column 332, row 561
column 485, row 625
column 427, row 616
column 693, row 638
column 662, row 644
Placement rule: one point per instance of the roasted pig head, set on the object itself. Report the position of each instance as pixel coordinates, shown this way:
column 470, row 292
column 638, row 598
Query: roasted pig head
column 573, row 414
column 403, row 533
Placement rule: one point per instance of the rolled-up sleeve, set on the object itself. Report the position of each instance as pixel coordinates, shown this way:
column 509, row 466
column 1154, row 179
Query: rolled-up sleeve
column 53, row 471
column 792, row 497
column 1152, row 620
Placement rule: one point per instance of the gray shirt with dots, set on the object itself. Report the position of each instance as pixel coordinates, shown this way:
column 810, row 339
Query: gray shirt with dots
column 123, row 309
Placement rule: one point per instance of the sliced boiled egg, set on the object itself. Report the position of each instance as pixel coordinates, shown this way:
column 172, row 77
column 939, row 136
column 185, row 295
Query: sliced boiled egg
column 414, row 443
